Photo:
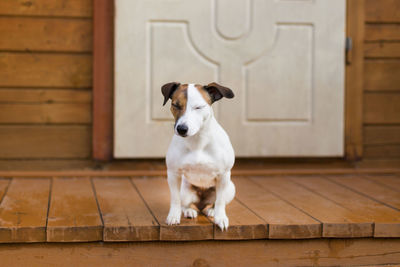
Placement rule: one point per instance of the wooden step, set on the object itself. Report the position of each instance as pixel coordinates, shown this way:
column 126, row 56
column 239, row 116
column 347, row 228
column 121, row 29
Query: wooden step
column 133, row 209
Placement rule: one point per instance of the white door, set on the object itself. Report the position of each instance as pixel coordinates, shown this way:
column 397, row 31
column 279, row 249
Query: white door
column 284, row 59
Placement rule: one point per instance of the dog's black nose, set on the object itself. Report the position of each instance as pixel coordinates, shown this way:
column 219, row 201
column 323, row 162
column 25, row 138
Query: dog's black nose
column 182, row 129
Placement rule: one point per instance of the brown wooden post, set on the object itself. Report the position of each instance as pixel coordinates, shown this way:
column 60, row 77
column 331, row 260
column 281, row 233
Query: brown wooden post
column 354, row 80
column 103, row 67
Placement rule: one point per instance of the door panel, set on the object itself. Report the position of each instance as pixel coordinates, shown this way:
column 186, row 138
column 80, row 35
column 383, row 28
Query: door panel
column 283, row 59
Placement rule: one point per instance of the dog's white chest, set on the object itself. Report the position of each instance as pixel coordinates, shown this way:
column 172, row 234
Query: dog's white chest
column 199, row 169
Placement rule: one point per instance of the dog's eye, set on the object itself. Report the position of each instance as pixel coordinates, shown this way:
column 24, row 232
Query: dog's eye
column 199, row 107
column 176, row 106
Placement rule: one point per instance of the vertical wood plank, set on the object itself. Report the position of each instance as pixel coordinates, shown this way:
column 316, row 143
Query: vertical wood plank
column 284, row 220
column 336, row 220
column 103, row 68
column 155, row 193
column 23, row 211
column 354, row 81
column 73, row 214
column 125, row 215
column 386, row 220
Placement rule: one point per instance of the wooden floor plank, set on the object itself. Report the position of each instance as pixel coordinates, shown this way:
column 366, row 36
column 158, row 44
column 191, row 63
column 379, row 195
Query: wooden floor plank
column 336, row 220
column 125, row 215
column 3, row 187
column 243, row 224
column 388, row 181
column 375, row 191
column 73, row 214
column 386, row 220
column 155, row 193
column 284, row 220
column 371, row 252
column 23, row 211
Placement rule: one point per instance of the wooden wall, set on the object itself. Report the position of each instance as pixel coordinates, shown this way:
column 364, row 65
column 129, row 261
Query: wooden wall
column 45, row 82
column 382, row 80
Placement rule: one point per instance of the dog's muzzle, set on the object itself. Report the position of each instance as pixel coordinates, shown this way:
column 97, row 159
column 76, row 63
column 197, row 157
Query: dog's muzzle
column 182, row 130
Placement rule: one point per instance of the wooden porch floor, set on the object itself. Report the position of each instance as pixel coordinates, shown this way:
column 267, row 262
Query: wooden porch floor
column 81, row 209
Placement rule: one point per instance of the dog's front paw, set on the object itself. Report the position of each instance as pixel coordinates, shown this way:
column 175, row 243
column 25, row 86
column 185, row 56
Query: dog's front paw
column 210, row 212
column 222, row 221
column 189, row 213
column 174, row 217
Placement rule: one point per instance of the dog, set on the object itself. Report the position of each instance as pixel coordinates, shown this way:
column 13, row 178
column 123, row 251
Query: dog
column 200, row 156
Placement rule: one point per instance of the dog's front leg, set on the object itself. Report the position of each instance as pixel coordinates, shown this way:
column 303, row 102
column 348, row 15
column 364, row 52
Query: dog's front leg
column 174, row 215
column 225, row 192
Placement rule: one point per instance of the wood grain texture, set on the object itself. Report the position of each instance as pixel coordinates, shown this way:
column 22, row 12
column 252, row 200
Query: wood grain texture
column 155, row 193
column 45, row 70
column 390, row 181
column 317, row 252
column 371, row 189
column 49, row 113
column 103, row 79
column 382, row 50
column 382, row 75
column 23, row 211
column 381, row 108
column 73, row 213
column 70, row 8
column 382, row 32
column 49, row 164
column 125, row 215
column 141, row 168
column 243, row 224
column 382, row 11
column 336, row 220
column 284, row 220
column 53, row 142
column 4, row 183
column 386, row 220
column 355, row 27
column 382, row 151
column 48, row 96
column 382, row 135
column 45, row 106
column 45, row 34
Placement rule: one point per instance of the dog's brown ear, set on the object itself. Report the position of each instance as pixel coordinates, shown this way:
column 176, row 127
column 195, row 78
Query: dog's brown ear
column 217, row 91
column 168, row 89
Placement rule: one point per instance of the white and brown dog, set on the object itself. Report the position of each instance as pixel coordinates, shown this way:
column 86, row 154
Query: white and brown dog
column 200, row 156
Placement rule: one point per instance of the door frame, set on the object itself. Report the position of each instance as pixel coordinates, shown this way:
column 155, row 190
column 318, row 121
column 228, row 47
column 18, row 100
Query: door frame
column 103, row 80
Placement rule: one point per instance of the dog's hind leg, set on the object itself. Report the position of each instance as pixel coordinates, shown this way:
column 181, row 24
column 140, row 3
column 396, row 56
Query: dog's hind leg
column 188, row 197
column 229, row 195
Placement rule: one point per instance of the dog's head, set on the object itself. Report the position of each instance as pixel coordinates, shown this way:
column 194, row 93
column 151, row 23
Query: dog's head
column 191, row 104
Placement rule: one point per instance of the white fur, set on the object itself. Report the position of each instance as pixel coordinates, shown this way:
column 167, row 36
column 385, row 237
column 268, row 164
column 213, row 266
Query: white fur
column 203, row 158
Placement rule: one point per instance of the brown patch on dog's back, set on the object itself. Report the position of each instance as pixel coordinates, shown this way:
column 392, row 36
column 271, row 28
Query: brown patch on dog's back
column 179, row 100
column 204, row 93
